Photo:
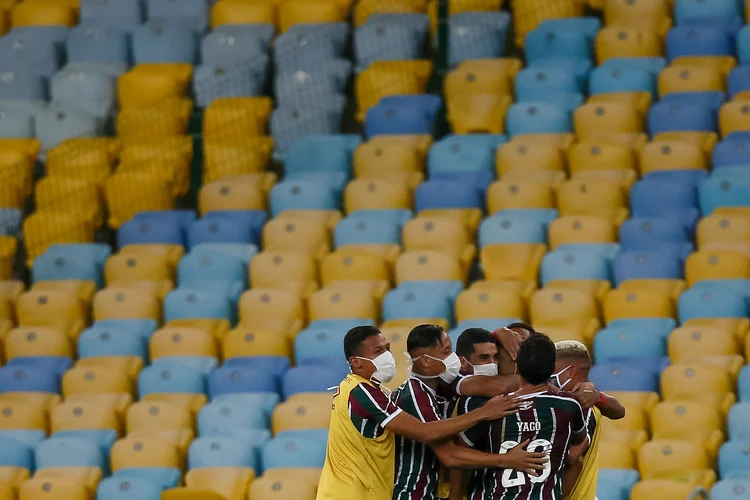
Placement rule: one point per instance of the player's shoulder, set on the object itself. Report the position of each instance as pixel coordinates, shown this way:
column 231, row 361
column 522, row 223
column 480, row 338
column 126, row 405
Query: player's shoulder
column 562, row 399
column 470, row 403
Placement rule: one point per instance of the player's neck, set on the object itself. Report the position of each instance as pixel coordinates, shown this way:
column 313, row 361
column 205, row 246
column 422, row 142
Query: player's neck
column 432, row 383
column 527, row 388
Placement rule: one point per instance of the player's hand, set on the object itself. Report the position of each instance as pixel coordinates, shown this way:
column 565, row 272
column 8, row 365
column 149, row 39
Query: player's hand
column 588, row 398
column 580, row 386
column 499, row 407
column 510, row 340
column 524, row 461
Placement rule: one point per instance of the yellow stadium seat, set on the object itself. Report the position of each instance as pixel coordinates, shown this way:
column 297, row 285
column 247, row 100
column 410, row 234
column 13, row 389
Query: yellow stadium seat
column 20, row 415
column 11, row 479
column 174, row 341
column 581, row 229
column 17, row 157
column 475, row 303
column 690, row 79
column 671, row 155
column 697, row 381
column 670, row 287
column 172, row 253
column 83, row 415
column 738, row 210
column 519, row 261
column 502, row 195
column 624, row 304
column 616, row 455
column 167, row 117
column 290, row 271
column 281, row 488
column 374, row 194
column 236, row 117
column 671, row 459
column 615, row 41
column 470, row 217
column 704, row 140
column 528, row 154
column 420, row 143
column 8, row 248
column 636, row 419
column 131, row 193
column 77, row 197
column 689, row 421
column 301, row 235
column 245, row 342
column 181, row 493
column 52, row 309
column 235, row 156
column 550, row 177
column 716, row 265
column 217, row 328
column 90, row 158
column 173, row 172
column 58, row 488
column 640, row 101
column 158, row 149
column 233, row 193
column 645, row 401
column 634, row 439
column 128, row 267
column 123, row 302
column 733, row 117
column 334, row 304
column 728, row 246
column 606, row 118
column 95, row 380
column 37, row 341
column 593, row 197
column 242, row 12
column 293, row 12
column 722, row 64
column 187, row 399
column 88, row 476
column 305, row 411
column 376, row 289
column 654, row 15
column 135, row 452
column 132, row 365
column 46, row 228
column 43, row 14
column 442, row 234
column 429, row 265
column 479, row 80
column 729, row 228
column 478, row 113
column 82, row 289
column 271, row 310
column 365, row 8
column 230, row 483
column 329, row 217
column 664, row 489
column 352, row 264
column 598, row 288
column 527, row 15
column 155, row 288
column 386, row 78
column 571, row 309
column 387, row 160
column 10, row 290
column 158, row 415
column 738, row 326
column 148, row 84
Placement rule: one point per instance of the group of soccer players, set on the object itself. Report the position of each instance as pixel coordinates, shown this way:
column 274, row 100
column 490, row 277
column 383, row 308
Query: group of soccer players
column 507, row 415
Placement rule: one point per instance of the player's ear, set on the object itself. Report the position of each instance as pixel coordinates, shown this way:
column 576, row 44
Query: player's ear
column 465, row 365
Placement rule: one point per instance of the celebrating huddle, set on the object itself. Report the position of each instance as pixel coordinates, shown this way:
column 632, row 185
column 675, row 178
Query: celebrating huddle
column 490, row 421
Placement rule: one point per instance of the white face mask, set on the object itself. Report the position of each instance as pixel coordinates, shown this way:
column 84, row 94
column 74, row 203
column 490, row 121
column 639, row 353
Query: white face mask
column 452, row 367
column 488, row 370
column 385, row 367
column 555, row 379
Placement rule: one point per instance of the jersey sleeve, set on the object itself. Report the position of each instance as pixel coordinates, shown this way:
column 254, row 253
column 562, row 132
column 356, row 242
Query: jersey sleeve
column 416, row 402
column 579, row 421
column 590, row 423
column 453, row 389
column 477, row 433
column 369, row 402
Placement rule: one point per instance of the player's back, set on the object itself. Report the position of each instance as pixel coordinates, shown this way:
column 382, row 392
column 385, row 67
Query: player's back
column 548, row 420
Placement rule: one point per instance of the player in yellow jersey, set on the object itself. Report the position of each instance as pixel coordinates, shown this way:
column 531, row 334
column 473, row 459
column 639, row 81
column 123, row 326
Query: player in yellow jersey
column 572, row 373
column 359, row 462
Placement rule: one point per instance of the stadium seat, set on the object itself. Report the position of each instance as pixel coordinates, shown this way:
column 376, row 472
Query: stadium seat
column 733, row 459
column 729, row 489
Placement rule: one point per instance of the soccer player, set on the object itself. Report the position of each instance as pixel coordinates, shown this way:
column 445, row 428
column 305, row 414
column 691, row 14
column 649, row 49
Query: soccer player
column 552, row 421
column 434, row 364
column 572, row 371
column 477, row 350
column 360, row 454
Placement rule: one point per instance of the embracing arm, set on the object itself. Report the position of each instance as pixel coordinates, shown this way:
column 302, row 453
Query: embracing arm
column 488, row 387
column 611, row 407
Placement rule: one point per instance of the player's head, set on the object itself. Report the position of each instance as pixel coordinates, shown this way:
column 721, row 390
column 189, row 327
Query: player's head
column 431, row 353
column 506, row 364
column 369, row 353
column 573, row 363
column 536, row 359
column 477, row 349
column 522, row 329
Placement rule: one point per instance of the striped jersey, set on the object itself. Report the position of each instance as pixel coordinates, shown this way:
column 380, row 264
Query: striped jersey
column 548, row 420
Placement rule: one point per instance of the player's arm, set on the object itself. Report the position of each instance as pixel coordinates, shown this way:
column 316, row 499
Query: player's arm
column 579, row 425
column 457, row 479
column 611, row 407
column 487, row 387
column 587, row 394
column 570, row 478
column 453, row 456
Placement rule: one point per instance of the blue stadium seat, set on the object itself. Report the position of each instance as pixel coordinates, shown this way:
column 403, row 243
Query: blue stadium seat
column 589, row 26
column 533, row 83
column 225, row 48
column 58, row 123
column 216, row 416
column 729, row 25
column 193, row 13
column 739, row 416
column 215, row 80
column 125, row 15
column 730, row 489
column 288, row 195
column 692, row 9
column 446, row 288
column 418, row 21
column 170, row 379
column 318, row 343
column 235, row 378
column 126, row 488
column 672, row 116
column 164, row 42
column 743, row 385
column 477, row 35
column 335, row 181
column 537, row 118
column 192, row 303
column 446, row 194
column 543, row 215
column 743, row 45
column 242, row 252
column 608, row 251
column 273, row 365
column 253, row 219
column 688, row 176
column 698, row 41
column 615, row 484
column 566, row 100
column 548, row 41
column 218, row 451
column 165, row 477
column 14, row 453
column 739, row 285
column 52, row 266
column 395, row 216
column 652, row 64
column 609, row 79
column 401, row 303
column 734, row 460
column 578, row 67
column 51, row 364
column 295, row 89
column 429, row 104
column 326, row 153
column 197, row 271
column 702, row 303
column 214, row 229
column 16, row 122
column 265, row 400
column 573, row 265
column 623, row 377
column 90, row 91
column 149, row 231
column 99, row 341
column 733, row 151
column 98, row 252
column 715, row 193
column 658, row 327
column 457, row 153
column 69, row 452
column 646, row 233
column 385, row 119
column 710, row 100
column 289, row 449
column 731, row 172
column 142, row 328
column 310, row 378
column 613, row 343
column 335, row 32
column 28, row 379
column 20, row 84
column 354, row 230
column 385, row 41
column 54, row 35
column 511, row 228
column 646, row 264
column 288, row 125
column 180, row 218
column 665, row 199
column 310, row 50
column 39, row 56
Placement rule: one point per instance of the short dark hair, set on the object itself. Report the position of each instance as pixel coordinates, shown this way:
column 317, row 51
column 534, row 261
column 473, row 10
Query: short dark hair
column 536, row 359
column 471, row 337
column 521, row 325
column 424, row 336
column 355, row 337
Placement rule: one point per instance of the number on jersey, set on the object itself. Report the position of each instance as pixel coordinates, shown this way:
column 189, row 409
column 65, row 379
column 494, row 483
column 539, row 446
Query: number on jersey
column 512, row 478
